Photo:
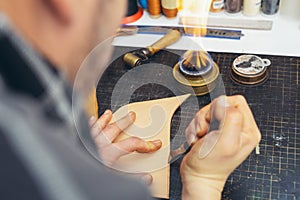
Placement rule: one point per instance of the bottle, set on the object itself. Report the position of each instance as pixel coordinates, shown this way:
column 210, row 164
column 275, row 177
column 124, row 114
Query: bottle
column 251, row 7
column 169, row 8
column 270, row 7
column 216, row 6
column 233, row 6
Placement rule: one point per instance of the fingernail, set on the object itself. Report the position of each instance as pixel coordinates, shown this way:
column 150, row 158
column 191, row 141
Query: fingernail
column 92, row 118
column 191, row 139
column 198, row 128
column 131, row 115
column 207, row 115
column 106, row 112
column 156, row 142
column 147, row 179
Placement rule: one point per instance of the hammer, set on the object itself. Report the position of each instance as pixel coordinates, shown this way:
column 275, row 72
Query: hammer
column 139, row 57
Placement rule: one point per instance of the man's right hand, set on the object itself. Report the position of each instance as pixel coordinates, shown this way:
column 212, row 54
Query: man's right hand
column 216, row 154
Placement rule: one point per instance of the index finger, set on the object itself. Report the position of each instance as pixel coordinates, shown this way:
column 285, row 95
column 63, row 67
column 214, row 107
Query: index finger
column 239, row 102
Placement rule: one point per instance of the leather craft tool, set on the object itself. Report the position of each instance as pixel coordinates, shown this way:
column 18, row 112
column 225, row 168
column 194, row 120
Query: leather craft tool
column 141, row 56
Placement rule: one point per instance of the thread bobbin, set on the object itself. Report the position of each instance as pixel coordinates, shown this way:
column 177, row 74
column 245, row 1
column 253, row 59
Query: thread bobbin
column 154, row 8
column 169, row 8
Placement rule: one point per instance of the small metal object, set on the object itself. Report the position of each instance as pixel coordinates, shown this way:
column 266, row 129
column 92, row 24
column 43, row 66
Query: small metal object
column 136, row 58
column 249, row 69
column 139, row 57
column 201, row 78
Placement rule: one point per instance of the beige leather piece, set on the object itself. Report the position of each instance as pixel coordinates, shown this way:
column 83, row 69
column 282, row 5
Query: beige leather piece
column 91, row 104
column 153, row 121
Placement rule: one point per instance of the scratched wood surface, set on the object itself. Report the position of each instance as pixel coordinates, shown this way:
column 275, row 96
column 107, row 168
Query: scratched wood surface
column 275, row 172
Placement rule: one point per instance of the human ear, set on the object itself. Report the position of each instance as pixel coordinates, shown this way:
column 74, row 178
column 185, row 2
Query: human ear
column 60, row 9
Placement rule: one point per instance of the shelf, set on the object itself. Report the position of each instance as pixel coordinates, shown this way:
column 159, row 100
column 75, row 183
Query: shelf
column 214, row 19
column 282, row 39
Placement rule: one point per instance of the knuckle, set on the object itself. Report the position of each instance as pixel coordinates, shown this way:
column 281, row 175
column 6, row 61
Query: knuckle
column 101, row 141
column 255, row 133
column 128, row 119
column 203, row 110
column 252, row 130
column 187, row 131
column 112, row 128
column 241, row 99
column 234, row 115
column 200, row 113
column 258, row 137
column 137, row 142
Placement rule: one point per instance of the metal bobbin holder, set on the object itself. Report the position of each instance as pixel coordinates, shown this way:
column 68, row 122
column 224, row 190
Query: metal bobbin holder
column 249, row 70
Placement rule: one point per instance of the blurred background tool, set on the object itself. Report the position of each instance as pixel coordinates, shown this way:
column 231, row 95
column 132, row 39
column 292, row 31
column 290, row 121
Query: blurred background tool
column 141, row 56
column 187, row 31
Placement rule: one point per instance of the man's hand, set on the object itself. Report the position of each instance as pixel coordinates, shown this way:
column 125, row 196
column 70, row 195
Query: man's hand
column 216, row 154
column 104, row 134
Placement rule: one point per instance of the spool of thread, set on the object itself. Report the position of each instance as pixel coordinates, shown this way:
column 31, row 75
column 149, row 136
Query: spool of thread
column 270, row 7
column 217, row 6
column 169, row 8
column 133, row 12
column 251, row 7
column 154, row 8
column 233, row 6
column 143, row 4
column 132, row 7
